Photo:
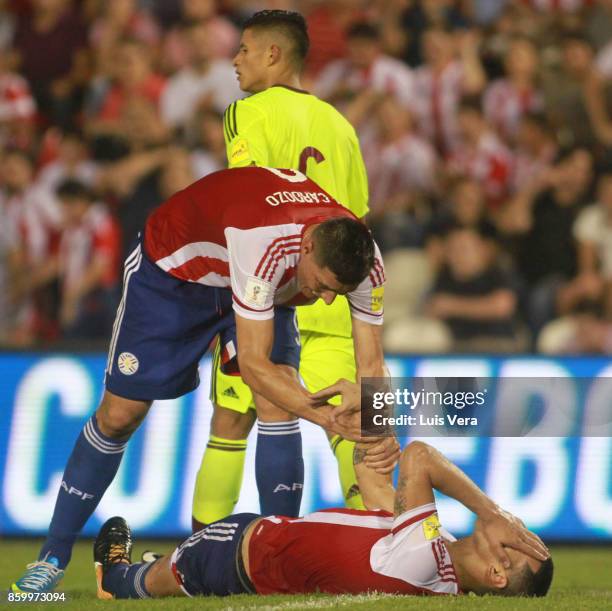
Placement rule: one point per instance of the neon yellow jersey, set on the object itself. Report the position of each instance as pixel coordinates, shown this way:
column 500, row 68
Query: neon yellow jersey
column 287, row 128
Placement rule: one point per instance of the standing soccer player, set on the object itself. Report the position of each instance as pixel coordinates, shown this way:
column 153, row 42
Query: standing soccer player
column 282, row 126
column 229, row 255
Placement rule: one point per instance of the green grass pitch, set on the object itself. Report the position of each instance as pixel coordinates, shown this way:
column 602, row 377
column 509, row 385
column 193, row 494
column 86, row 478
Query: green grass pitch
column 583, row 580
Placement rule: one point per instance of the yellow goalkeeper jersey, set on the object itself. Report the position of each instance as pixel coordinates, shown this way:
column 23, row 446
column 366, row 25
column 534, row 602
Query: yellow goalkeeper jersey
column 283, row 127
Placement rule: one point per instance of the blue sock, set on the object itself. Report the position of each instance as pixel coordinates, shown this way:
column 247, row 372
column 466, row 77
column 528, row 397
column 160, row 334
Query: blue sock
column 127, row 580
column 90, row 470
column 279, row 467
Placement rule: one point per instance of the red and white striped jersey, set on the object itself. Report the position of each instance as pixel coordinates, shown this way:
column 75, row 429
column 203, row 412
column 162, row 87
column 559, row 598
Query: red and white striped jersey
column 242, row 229
column 489, row 162
column 36, row 218
column 504, row 105
column 436, row 100
column 386, row 75
column 407, row 164
column 96, row 237
column 351, row 551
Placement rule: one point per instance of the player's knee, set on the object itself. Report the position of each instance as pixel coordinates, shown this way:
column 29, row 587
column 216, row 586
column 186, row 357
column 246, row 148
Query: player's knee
column 231, row 424
column 416, row 454
column 119, row 418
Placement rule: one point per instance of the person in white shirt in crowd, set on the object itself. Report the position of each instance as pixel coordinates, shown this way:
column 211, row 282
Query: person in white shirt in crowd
column 357, row 83
column 72, row 162
column 507, row 99
column 206, row 82
column 452, row 69
column 34, row 216
column 87, row 264
column 403, row 171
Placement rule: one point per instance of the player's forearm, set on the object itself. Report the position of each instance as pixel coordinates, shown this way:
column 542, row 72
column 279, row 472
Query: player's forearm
column 376, row 488
column 445, row 477
column 270, row 381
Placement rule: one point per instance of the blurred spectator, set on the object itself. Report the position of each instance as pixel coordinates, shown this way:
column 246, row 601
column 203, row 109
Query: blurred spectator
column 133, row 78
column 535, row 152
column 420, row 15
column 87, row 264
column 116, row 21
column 72, row 162
column 547, row 257
column 9, row 243
column 474, row 296
column 593, row 231
column 598, row 101
column 204, row 83
column 403, row 173
column 564, row 94
column 34, row 218
column 224, row 35
column 400, row 159
column 48, row 42
column 507, row 99
column 328, row 24
column 452, row 69
column 366, row 71
column 481, row 154
column 122, row 19
column 209, row 156
column 464, row 207
column 17, row 107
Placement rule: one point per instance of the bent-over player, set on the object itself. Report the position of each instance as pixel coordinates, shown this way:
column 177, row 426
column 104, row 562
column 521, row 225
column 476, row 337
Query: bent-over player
column 230, row 255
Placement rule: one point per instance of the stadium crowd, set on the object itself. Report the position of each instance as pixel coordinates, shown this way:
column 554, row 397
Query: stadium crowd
column 486, row 128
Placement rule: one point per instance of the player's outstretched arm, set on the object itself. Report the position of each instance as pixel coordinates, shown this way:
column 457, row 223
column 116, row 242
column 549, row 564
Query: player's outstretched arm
column 423, row 469
column 255, row 338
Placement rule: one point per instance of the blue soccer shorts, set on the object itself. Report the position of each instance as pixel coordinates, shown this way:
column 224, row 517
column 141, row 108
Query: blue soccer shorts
column 165, row 325
column 210, row 561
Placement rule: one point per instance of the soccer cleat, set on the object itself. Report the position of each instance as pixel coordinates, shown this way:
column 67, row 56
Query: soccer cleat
column 41, row 576
column 112, row 545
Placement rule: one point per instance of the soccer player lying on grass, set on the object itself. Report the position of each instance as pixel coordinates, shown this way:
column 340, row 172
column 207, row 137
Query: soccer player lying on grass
column 400, row 549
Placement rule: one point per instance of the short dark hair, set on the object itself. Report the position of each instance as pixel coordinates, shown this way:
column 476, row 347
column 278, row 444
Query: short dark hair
column 528, row 583
column 290, row 23
column 344, row 246
column 71, row 189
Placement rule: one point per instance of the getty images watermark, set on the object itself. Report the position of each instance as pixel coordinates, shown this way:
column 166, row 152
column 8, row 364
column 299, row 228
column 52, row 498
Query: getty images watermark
column 486, row 407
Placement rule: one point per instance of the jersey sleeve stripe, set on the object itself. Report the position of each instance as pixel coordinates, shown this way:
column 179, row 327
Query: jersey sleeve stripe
column 269, row 251
column 288, row 249
column 246, row 307
column 413, row 520
column 235, row 121
column 227, row 121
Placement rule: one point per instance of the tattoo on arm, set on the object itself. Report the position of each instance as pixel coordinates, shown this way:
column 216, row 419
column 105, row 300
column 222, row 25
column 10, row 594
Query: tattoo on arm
column 358, row 455
column 400, row 501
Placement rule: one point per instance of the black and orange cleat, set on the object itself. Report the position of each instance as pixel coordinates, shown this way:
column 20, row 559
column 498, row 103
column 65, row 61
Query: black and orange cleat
column 112, row 545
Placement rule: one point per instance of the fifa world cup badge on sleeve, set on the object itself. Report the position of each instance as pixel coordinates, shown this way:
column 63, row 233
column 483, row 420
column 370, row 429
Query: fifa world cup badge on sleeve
column 377, row 299
column 127, row 363
column 257, row 292
column 240, row 151
column 431, row 526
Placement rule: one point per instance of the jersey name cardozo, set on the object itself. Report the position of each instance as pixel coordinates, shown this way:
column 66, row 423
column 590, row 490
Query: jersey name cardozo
column 227, row 231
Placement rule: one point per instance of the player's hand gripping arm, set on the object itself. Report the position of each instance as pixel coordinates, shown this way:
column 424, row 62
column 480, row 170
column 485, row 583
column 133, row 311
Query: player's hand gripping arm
column 255, row 338
column 423, row 469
